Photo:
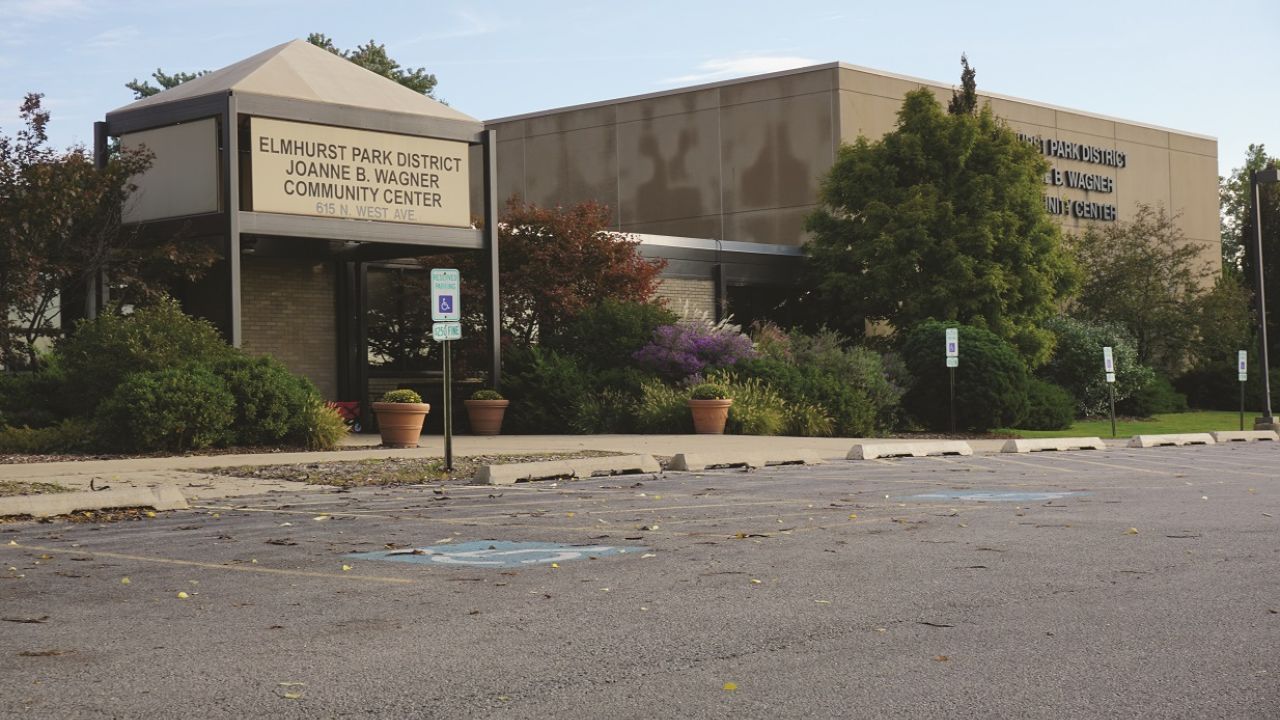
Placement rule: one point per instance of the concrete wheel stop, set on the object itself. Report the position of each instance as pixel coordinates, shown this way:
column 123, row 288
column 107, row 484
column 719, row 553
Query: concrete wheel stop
column 1177, row 439
column 1049, row 444
column 551, row 469
column 163, row 497
column 694, row 462
column 874, row 450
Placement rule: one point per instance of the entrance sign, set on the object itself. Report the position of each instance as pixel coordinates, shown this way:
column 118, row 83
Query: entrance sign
column 305, row 169
column 440, row 332
column 446, row 288
column 953, row 342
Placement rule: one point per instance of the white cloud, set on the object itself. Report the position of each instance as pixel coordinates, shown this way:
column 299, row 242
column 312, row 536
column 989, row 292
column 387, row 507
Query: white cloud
column 113, row 38
column 468, row 24
column 34, row 11
column 725, row 68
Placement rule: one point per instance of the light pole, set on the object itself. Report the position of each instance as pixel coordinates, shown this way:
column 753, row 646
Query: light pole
column 1262, row 177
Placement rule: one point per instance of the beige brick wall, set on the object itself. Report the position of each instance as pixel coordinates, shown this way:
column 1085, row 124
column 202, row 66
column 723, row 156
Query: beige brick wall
column 689, row 298
column 287, row 312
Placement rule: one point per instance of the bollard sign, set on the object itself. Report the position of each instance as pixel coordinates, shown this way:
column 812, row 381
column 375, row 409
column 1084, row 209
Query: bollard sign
column 1108, row 364
column 1242, row 364
column 446, row 289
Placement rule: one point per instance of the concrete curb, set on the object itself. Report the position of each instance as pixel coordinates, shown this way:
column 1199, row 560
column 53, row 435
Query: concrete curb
column 583, row 467
column 160, row 498
column 1043, row 444
column 1178, row 439
column 871, row 451
column 1223, row 436
column 693, row 462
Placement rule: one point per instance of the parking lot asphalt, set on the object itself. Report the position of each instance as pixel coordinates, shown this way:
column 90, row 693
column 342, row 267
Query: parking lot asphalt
column 1110, row 583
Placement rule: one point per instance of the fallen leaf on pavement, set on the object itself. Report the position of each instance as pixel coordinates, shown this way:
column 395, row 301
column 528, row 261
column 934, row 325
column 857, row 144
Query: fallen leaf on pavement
column 730, row 687
column 1131, row 531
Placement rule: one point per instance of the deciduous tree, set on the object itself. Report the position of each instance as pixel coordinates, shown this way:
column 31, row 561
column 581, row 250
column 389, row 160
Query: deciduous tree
column 60, row 226
column 1147, row 277
column 1238, row 233
column 555, row 263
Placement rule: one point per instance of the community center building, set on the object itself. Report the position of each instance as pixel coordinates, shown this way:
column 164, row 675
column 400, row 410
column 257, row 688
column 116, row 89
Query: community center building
column 322, row 183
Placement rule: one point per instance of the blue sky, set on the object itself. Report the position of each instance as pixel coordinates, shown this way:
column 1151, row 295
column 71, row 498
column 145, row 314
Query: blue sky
column 1205, row 67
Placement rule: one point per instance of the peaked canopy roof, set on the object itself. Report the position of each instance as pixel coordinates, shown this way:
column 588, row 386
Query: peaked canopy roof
column 299, row 70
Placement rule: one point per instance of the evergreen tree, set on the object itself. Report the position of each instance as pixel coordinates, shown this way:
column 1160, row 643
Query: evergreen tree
column 965, row 100
column 942, row 218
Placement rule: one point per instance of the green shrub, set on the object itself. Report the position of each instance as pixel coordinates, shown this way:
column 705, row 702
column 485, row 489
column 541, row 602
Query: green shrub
column 321, row 426
column 271, row 403
column 176, row 409
column 846, row 406
column 991, row 382
column 1156, row 397
column 709, row 391
column 403, row 395
column 102, row 352
column 608, row 334
column 756, row 410
column 611, row 411
column 663, row 409
column 1218, row 388
column 1076, row 365
column 807, row 420
column 69, row 436
column 1049, row 407
column 487, row 394
column 544, row 387
column 870, row 377
column 33, row 399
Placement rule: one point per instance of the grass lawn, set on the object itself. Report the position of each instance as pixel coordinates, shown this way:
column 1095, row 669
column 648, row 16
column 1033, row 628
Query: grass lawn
column 1199, row 421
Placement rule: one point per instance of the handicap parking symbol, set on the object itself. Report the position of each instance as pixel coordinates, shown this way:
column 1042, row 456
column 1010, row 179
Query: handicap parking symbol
column 446, row 304
column 498, row 554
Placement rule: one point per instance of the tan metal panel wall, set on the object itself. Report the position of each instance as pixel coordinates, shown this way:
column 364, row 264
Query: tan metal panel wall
column 743, row 160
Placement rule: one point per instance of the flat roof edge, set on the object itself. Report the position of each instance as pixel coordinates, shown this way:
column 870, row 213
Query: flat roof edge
column 664, row 93
column 835, row 66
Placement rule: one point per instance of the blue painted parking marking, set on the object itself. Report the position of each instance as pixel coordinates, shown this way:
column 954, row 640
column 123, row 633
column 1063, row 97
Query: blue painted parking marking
column 498, row 553
column 993, row 496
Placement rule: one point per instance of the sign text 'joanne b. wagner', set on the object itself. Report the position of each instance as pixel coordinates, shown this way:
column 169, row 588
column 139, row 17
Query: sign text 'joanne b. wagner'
column 1089, row 182
column 305, row 169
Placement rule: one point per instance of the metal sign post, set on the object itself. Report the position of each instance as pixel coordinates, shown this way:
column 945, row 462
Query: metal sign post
column 953, row 361
column 446, row 312
column 1242, row 373
column 1109, row 366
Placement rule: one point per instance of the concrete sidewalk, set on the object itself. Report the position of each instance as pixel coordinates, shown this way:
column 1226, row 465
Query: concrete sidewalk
column 189, row 472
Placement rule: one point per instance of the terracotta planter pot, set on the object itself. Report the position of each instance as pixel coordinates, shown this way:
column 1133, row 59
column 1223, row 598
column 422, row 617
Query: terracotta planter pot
column 401, row 423
column 485, row 416
column 709, row 416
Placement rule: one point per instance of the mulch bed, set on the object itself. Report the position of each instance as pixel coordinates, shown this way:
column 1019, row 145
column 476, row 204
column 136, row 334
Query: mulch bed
column 392, row 471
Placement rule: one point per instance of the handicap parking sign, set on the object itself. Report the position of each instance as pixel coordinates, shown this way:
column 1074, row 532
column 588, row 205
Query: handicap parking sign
column 446, row 285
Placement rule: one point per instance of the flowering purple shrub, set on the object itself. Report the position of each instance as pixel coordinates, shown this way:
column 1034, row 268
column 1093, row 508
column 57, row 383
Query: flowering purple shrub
column 679, row 351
